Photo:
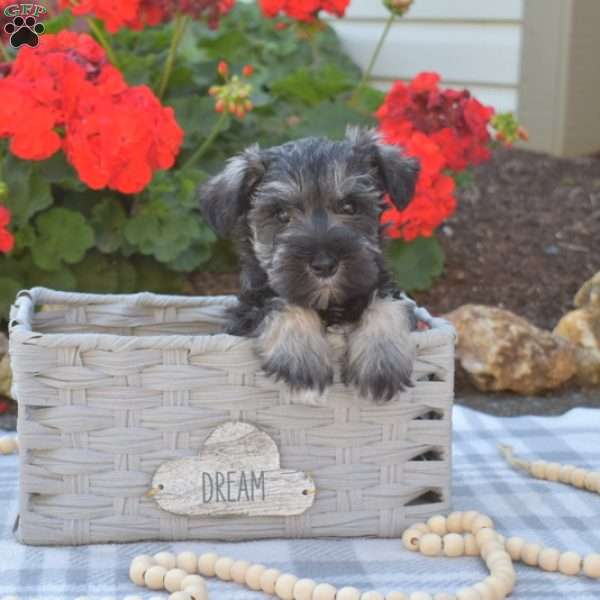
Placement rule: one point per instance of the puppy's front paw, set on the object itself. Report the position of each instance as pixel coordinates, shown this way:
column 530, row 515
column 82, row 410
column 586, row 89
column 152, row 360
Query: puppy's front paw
column 381, row 372
column 300, row 368
column 381, row 353
column 293, row 348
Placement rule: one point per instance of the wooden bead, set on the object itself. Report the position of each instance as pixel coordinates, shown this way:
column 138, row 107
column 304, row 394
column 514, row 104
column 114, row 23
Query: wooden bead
column 8, row 444
column 569, row 563
column 530, row 553
column 430, row 544
column 566, row 472
column 437, row 524
column 553, row 471
column 223, row 568
column 420, row 596
column 480, row 522
column 144, row 558
column 253, row 575
column 238, row 571
column 454, row 544
column 371, row 596
column 188, row 561
column 500, row 586
column 396, row 596
column 485, row 535
column 410, row 538
column 154, row 578
column 422, row 527
column 508, row 578
column 166, row 560
column 538, row 469
column 268, row 579
column 591, row 565
column 206, row 564
column 454, row 522
column 174, row 579
column 180, row 596
column 284, row 586
column 324, row 591
column 471, row 545
column 592, row 481
column 468, row 593
column 348, row 593
column 498, row 557
column 488, row 547
column 197, row 592
column 548, row 559
column 514, row 546
column 304, row 588
column 190, row 580
column 138, row 569
column 486, row 591
column 578, row 478
column 467, row 519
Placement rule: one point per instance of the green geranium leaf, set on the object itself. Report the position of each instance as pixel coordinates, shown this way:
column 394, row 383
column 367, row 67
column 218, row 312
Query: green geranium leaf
column 9, row 288
column 63, row 236
column 28, row 190
column 416, row 264
column 108, row 220
column 96, row 274
column 64, row 20
column 311, row 87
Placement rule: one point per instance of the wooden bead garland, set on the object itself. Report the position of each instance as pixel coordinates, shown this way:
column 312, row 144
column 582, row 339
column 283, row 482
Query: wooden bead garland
column 569, row 474
column 470, row 533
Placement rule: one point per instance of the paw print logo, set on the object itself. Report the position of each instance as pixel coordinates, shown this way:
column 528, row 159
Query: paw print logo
column 24, row 31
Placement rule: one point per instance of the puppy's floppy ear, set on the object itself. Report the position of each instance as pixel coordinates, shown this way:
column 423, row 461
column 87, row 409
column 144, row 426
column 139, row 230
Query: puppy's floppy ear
column 225, row 197
column 397, row 173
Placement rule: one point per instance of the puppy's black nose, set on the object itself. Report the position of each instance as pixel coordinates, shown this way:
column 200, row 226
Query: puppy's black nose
column 324, row 265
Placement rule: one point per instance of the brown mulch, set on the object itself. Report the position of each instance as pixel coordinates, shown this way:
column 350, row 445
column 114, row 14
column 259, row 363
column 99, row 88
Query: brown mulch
column 525, row 236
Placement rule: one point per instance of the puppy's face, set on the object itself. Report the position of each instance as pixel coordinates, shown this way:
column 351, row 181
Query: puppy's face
column 311, row 209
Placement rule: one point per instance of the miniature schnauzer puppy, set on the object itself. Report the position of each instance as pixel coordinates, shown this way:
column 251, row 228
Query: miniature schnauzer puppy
column 306, row 217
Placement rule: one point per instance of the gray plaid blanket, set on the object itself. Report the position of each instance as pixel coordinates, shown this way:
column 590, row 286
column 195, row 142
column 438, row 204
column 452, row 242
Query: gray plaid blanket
column 554, row 514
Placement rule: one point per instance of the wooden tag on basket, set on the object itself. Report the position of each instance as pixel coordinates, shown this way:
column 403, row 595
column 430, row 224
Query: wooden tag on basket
column 238, row 472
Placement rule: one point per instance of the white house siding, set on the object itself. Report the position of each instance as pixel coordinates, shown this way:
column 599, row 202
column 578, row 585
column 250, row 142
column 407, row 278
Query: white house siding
column 473, row 44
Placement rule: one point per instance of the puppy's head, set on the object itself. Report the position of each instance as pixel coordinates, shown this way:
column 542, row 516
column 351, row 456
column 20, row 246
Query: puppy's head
column 311, row 209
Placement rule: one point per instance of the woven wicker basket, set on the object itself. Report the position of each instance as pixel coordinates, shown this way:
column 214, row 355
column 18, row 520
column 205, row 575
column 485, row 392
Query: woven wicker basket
column 111, row 386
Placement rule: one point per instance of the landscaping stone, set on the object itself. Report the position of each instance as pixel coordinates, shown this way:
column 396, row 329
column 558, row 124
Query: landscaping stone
column 582, row 328
column 502, row 351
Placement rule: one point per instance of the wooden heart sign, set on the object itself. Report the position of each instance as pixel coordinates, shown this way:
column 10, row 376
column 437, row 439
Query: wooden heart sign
column 238, row 472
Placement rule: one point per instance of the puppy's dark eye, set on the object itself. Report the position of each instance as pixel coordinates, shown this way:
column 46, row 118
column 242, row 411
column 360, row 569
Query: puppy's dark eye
column 283, row 216
column 348, row 208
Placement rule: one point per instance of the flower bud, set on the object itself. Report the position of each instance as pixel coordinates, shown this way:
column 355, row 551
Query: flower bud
column 219, row 106
column 213, row 90
column 248, row 70
column 223, row 69
column 398, row 7
column 521, row 132
column 248, row 105
column 232, row 107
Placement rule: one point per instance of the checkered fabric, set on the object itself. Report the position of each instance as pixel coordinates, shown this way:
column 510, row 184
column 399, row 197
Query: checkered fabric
column 554, row 514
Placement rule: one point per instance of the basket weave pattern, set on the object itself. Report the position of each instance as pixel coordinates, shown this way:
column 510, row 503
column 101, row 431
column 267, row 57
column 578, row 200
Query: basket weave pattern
column 111, row 386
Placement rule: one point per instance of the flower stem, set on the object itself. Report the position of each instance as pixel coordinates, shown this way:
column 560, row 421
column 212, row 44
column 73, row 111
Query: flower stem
column 103, row 40
column 367, row 74
column 181, row 22
column 197, row 155
column 4, row 52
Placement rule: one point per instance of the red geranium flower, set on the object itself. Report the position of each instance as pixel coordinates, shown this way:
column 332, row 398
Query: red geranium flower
column 447, row 130
column 7, row 240
column 303, row 10
column 72, row 98
column 137, row 14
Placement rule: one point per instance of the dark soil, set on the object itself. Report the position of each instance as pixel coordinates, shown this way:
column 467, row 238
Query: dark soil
column 525, row 236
